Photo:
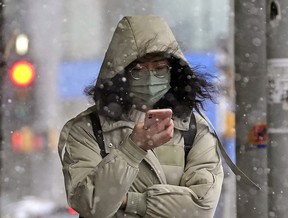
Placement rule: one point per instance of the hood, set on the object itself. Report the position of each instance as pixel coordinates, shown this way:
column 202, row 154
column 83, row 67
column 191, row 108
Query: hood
column 134, row 37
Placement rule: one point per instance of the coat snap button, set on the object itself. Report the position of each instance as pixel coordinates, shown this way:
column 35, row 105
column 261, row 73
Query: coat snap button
column 110, row 145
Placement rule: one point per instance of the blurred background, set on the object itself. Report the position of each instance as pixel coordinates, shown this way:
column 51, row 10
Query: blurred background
column 61, row 46
column 65, row 43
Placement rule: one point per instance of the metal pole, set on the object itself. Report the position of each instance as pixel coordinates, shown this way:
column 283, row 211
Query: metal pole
column 46, row 51
column 229, row 187
column 250, row 83
column 2, row 65
column 277, row 53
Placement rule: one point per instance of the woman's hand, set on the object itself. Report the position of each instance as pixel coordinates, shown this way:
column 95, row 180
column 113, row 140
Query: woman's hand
column 156, row 135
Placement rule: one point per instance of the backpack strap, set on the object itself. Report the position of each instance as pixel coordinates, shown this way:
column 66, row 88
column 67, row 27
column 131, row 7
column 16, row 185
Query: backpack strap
column 229, row 162
column 189, row 135
column 188, row 141
column 97, row 130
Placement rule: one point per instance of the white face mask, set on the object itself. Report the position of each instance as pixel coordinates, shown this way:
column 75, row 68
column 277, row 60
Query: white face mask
column 148, row 90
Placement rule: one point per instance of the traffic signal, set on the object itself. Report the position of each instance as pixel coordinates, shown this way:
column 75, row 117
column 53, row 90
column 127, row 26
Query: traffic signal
column 22, row 76
column 21, row 97
column 19, row 91
column 22, row 73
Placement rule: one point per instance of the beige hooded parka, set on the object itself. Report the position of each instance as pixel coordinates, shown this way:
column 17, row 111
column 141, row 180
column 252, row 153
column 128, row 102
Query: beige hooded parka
column 158, row 182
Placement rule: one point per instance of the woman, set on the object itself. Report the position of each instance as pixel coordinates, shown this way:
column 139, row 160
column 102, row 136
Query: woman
column 145, row 172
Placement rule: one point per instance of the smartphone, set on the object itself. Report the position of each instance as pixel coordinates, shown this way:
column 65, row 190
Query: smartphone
column 156, row 115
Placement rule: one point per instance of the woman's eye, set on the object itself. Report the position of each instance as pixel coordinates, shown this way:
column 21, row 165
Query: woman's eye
column 161, row 67
column 138, row 69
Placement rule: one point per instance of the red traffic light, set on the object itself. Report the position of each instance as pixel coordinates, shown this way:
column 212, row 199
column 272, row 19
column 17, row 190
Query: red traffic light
column 22, row 73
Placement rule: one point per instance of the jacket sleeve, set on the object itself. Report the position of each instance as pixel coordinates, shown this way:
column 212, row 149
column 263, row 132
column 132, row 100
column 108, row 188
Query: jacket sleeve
column 204, row 172
column 95, row 187
column 200, row 186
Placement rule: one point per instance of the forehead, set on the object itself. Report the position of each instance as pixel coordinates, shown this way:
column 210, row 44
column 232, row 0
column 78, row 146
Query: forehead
column 152, row 58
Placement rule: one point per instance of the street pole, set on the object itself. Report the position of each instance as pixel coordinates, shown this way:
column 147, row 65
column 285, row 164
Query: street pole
column 46, row 52
column 250, row 84
column 2, row 65
column 277, row 114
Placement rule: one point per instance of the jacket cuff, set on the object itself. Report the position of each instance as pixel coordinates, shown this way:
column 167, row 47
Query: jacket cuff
column 133, row 153
column 136, row 203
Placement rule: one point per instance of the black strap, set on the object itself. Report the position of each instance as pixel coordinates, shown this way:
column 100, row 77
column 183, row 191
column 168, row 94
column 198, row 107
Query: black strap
column 228, row 160
column 188, row 141
column 97, row 130
column 189, row 135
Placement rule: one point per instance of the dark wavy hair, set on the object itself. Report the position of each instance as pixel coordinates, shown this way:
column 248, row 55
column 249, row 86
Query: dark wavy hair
column 190, row 87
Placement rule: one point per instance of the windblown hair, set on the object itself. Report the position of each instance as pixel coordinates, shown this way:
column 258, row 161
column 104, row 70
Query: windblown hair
column 189, row 89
